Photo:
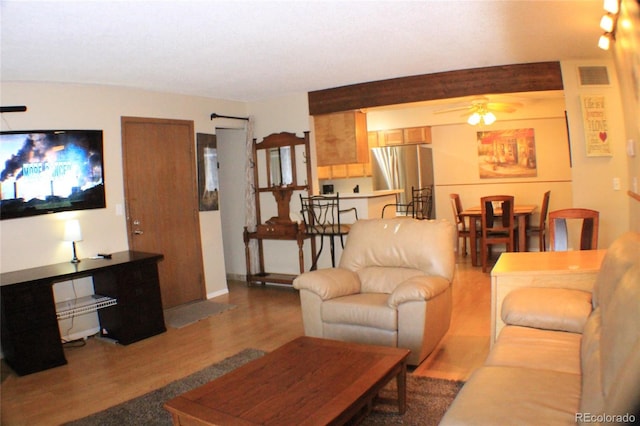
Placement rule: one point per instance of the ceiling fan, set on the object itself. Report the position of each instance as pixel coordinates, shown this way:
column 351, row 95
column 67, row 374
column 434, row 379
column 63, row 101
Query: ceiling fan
column 481, row 109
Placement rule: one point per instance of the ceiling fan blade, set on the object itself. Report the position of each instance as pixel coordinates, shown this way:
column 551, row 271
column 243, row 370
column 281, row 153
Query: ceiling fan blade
column 476, row 100
column 503, row 106
column 462, row 108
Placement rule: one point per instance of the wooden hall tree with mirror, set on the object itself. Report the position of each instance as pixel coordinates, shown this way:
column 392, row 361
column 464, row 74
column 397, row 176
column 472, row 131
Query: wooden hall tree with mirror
column 280, row 154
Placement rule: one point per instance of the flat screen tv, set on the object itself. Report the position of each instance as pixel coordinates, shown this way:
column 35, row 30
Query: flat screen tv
column 49, row 171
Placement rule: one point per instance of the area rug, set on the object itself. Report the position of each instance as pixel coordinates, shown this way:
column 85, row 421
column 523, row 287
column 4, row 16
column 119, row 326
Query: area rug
column 148, row 409
column 183, row 315
column 427, row 399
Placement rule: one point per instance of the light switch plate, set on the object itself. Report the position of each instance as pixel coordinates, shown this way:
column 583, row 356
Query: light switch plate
column 616, row 184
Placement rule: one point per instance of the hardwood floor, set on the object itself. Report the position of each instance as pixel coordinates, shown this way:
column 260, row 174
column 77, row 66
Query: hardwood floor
column 100, row 374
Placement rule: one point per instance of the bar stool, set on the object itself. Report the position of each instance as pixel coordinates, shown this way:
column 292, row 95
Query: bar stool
column 321, row 215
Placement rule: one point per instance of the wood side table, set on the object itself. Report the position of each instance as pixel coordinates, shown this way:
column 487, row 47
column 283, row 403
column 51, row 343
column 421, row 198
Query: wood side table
column 560, row 269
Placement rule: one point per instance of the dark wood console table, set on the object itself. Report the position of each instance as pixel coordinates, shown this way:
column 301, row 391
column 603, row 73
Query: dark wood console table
column 127, row 299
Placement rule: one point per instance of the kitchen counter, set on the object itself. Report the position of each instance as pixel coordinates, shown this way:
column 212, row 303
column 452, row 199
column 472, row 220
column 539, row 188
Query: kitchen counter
column 369, row 204
column 373, row 194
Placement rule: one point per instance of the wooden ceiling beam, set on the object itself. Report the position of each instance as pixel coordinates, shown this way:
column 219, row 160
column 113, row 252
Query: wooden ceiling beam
column 532, row 77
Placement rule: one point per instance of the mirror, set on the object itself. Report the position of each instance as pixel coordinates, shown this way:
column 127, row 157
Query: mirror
column 280, row 166
column 275, row 176
column 286, row 165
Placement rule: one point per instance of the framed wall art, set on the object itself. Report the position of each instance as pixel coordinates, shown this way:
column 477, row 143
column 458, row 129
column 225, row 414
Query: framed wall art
column 596, row 132
column 208, row 183
column 507, row 153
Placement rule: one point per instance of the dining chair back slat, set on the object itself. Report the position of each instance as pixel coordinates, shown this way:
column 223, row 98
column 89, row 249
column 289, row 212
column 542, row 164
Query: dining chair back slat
column 541, row 229
column 559, row 229
column 496, row 231
column 461, row 226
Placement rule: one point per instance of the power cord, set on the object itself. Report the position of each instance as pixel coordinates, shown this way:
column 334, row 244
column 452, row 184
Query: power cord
column 77, row 343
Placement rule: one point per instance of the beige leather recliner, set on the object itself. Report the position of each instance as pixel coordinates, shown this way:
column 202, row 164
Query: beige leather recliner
column 392, row 287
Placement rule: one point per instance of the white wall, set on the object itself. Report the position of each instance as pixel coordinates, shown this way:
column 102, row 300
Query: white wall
column 288, row 113
column 456, row 167
column 36, row 241
column 626, row 51
column 231, row 156
column 593, row 176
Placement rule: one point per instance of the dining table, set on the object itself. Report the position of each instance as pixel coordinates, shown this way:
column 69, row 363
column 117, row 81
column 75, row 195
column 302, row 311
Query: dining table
column 522, row 213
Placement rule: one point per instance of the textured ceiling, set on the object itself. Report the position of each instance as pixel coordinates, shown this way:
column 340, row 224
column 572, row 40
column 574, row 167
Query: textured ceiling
column 252, row 50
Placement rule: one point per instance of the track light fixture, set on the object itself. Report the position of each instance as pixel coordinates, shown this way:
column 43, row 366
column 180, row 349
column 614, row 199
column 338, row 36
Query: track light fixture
column 608, row 23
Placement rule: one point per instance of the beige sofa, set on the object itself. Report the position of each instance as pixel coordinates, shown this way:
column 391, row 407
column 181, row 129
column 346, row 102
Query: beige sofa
column 392, row 287
column 564, row 356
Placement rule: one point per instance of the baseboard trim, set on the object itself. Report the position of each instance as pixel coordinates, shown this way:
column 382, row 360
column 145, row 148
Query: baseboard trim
column 236, row 277
column 217, row 293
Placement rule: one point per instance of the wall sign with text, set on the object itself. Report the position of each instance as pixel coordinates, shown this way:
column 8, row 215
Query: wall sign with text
column 596, row 131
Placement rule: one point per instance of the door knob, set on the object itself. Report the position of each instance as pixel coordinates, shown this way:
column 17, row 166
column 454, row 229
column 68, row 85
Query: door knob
column 138, row 232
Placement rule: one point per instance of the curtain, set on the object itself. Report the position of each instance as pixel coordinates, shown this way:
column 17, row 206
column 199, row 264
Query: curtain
column 249, row 197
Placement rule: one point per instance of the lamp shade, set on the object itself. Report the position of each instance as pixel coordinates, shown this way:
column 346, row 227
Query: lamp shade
column 489, row 118
column 474, row 119
column 72, row 231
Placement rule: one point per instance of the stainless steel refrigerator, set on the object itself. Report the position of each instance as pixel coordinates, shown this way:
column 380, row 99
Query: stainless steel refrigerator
column 403, row 167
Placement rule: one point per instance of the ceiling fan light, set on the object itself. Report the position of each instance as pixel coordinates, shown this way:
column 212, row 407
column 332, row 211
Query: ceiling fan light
column 606, row 23
column 489, row 118
column 474, row 119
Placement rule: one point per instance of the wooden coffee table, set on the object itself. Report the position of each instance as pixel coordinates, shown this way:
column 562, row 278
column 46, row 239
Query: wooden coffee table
column 308, row 381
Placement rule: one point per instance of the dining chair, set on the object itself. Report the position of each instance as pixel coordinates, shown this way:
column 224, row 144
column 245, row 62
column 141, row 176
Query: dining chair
column 541, row 229
column 461, row 226
column 398, row 208
column 321, row 215
column 497, row 225
column 422, row 202
column 558, row 229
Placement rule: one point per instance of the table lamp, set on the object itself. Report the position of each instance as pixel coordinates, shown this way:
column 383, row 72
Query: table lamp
column 73, row 233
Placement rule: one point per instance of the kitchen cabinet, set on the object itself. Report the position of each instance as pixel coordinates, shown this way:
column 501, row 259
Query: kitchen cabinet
column 352, row 170
column 420, row 134
column 344, row 171
column 392, row 137
column 341, row 138
column 407, row 135
column 324, row 172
